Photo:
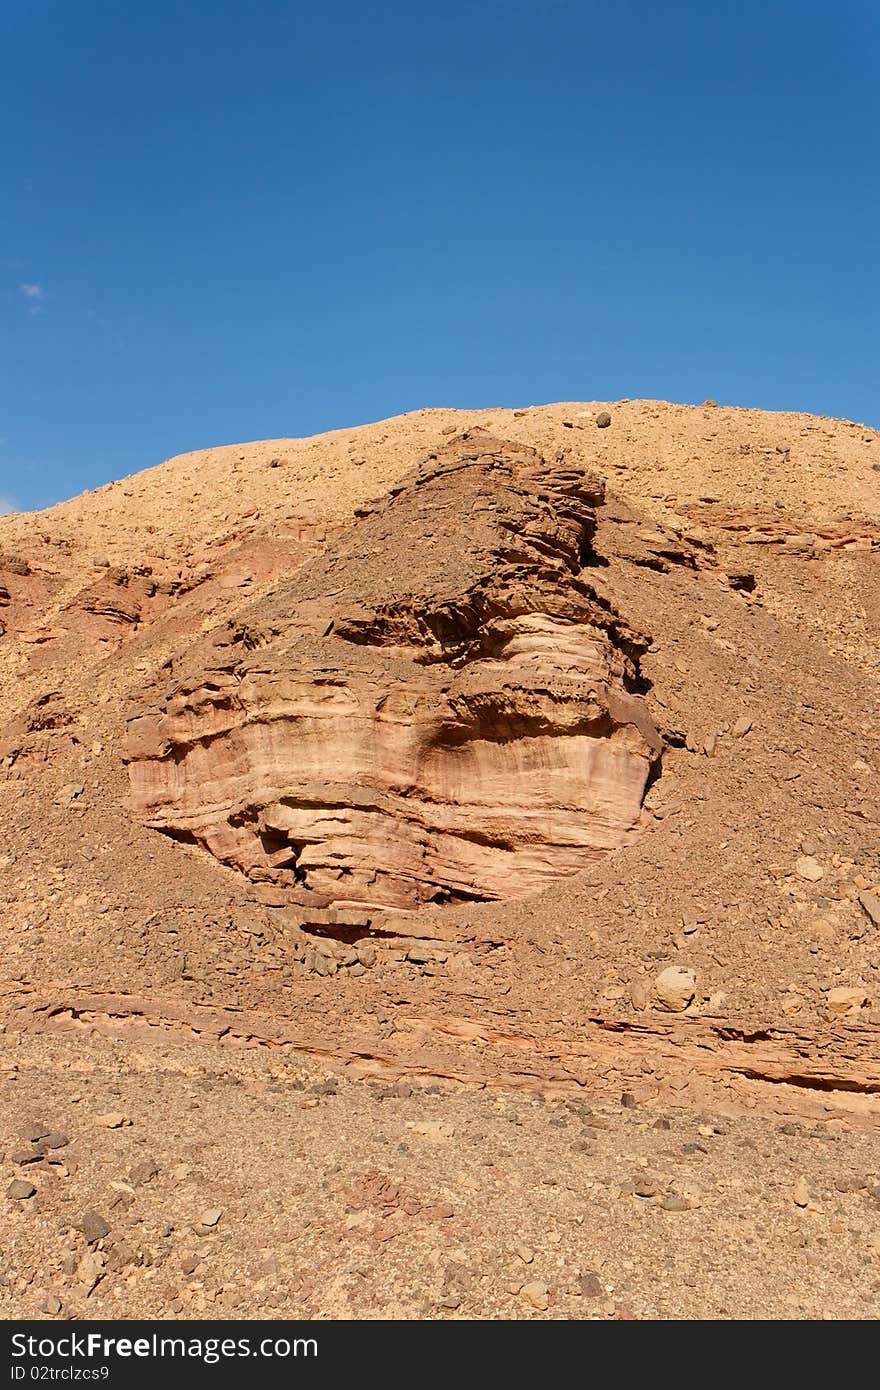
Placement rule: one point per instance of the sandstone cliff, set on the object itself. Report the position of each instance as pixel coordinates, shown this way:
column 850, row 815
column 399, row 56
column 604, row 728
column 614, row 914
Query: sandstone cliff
column 471, row 734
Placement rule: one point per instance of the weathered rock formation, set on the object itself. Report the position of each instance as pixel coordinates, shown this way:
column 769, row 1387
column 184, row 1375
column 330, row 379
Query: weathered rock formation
column 442, row 707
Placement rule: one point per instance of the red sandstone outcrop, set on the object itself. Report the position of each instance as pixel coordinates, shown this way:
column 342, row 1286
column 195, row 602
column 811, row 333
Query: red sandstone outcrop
column 443, row 708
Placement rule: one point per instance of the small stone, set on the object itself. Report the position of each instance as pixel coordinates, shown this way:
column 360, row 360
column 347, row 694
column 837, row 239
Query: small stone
column 56, row 1140
column 89, row 1270
column 144, row 1172
column 419, row 955
column 524, row 1253
column 93, row 1226
column 846, row 1001
column 451, row 1300
column 741, row 727
column 603, row 420
column 673, row 1202
column 822, row 930
column 52, row 1304
column 801, row 1194
column 113, row 1119
column 460, row 962
column 121, row 1256
column 433, row 1130
column 676, row 987
column 32, row 1153
column 325, row 1088
column 850, row 1184
column 440, row 1211
column 628, row 1100
column 210, row 1216
column 871, row 905
column 19, row 1190
column 645, row 1188
column 808, row 868
column 638, row 995
column 33, row 1133
column 536, row 1294
column 590, row 1285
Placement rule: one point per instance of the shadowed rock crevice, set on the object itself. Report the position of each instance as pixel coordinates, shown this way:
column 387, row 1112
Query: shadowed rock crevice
column 458, row 722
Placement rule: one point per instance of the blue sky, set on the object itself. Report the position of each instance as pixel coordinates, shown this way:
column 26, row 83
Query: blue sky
column 227, row 221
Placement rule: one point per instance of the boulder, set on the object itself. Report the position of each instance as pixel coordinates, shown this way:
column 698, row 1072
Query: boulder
column 675, row 987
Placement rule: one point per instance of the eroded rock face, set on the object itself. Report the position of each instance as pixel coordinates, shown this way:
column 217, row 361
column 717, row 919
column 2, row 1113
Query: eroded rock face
column 441, row 708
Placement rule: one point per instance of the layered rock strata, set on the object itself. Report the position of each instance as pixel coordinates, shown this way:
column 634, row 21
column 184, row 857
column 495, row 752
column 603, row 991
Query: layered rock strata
column 442, row 707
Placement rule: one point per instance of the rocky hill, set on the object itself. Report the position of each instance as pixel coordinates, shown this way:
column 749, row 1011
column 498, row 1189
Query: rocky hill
column 503, row 764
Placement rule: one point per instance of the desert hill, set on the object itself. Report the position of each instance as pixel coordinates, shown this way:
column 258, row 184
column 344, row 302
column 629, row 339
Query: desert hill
column 516, row 753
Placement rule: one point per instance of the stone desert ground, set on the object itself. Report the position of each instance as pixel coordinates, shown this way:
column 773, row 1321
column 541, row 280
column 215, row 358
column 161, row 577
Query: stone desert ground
column 439, row 875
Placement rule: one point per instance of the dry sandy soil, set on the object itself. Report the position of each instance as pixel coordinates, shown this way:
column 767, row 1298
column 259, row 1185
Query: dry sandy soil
column 259, row 1064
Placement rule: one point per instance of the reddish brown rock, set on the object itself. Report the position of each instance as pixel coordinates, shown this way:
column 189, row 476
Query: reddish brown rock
column 469, row 734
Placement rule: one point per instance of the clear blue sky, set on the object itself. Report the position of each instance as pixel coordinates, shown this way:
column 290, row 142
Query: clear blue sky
column 227, row 221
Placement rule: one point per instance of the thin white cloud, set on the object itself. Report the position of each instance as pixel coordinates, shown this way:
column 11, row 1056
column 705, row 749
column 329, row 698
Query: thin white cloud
column 7, row 506
column 35, row 293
